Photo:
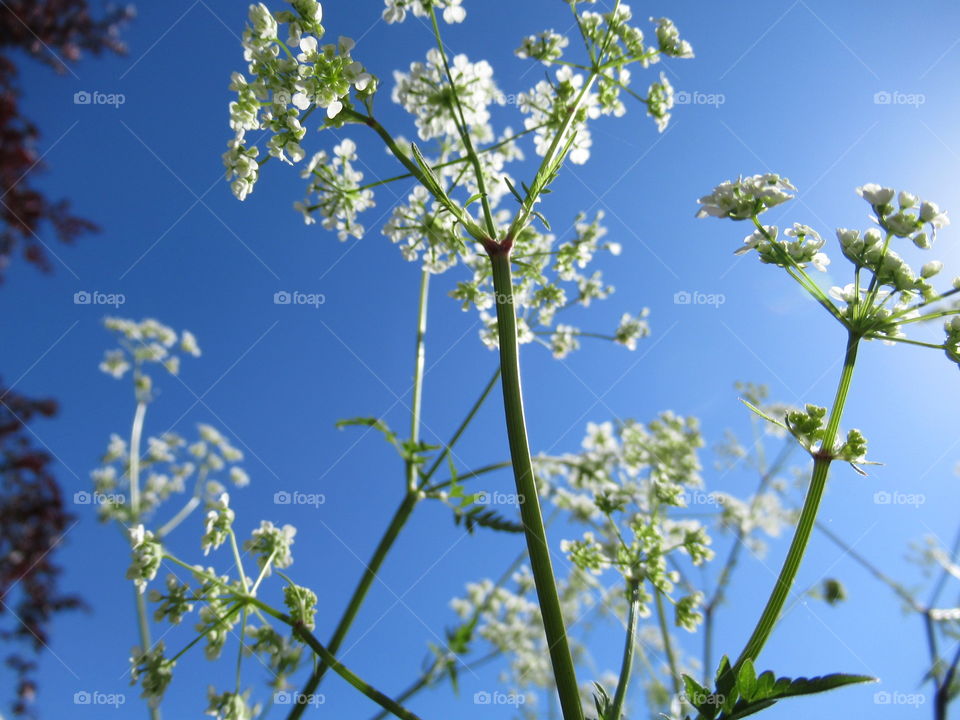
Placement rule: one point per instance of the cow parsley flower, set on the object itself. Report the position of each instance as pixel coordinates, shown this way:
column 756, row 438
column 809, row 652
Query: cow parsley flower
column 230, row 706
column 660, row 102
column 396, row 10
column 747, row 197
column 545, row 47
column 547, row 106
column 272, row 544
column 153, row 671
column 147, row 557
column 339, row 197
column 426, row 94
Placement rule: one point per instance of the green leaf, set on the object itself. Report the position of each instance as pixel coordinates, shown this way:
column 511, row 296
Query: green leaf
column 541, row 218
column 480, row 516
column 376, row 424
column 513, row 190
column 747, row 680
column 766, row 417
column 823, row 683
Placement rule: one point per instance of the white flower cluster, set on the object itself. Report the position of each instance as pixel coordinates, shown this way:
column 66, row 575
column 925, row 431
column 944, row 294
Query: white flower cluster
column 231, row 705
column 284, row 86
column 396, row 10
column 271, row 544
column 804, row 249
column 550, row 277
column 165, row 467
column 147, row 341
column 426, row 93
column 747, row 197
column 628, row 478
column 547, row 106
column 336, row 184
column 152, row 670
column 147, row 556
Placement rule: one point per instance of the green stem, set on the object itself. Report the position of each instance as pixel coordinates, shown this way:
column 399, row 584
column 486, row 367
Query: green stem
column 400, row 518
column 537, row 547
column 328, row 658
column 626, row 665
column 667, row 645
column 808, row 515
column 448, row 448
column 418, row 369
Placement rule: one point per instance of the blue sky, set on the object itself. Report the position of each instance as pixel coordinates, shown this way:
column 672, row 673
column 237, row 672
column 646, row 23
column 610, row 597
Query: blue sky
column 799, row 84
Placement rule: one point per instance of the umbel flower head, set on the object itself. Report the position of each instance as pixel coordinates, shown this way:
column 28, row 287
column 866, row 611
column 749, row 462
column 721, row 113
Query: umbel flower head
column 747, row 197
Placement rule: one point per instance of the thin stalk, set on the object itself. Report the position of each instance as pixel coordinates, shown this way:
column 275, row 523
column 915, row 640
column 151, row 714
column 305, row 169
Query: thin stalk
column 468, row 475
column 629, row 643
column 400, row 518
column 136, row 433
column 418, row 369
column 667, row 645
column 143, row 623
column 808, row 515
column 537, row 547
column 488, row 388
column 328, row 658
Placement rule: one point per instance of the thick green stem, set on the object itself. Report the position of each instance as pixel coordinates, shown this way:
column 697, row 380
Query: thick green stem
column 629, row 643
column 537, row 547
column 808, row 515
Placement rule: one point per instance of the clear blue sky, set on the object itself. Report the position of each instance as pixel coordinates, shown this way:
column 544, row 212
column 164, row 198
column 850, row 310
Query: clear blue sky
column 798, row 82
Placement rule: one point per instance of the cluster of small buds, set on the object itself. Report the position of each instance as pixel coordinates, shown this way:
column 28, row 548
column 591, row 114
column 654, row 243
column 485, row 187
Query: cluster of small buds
column 173, row 604
column 396, row 10
column 284, row 85
column 152, row 670
column 281, row 654
column 216, row 617
column 218, row 524
column 339, row 196
column 909, row 219
column 147, row 341
column 660, row 102
column 804, row 249
column 271, row 544
column 302, row 604
column 632, row 328
column 545, row 47
column 747, row 197
column 147, row 557
column 231, row 705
